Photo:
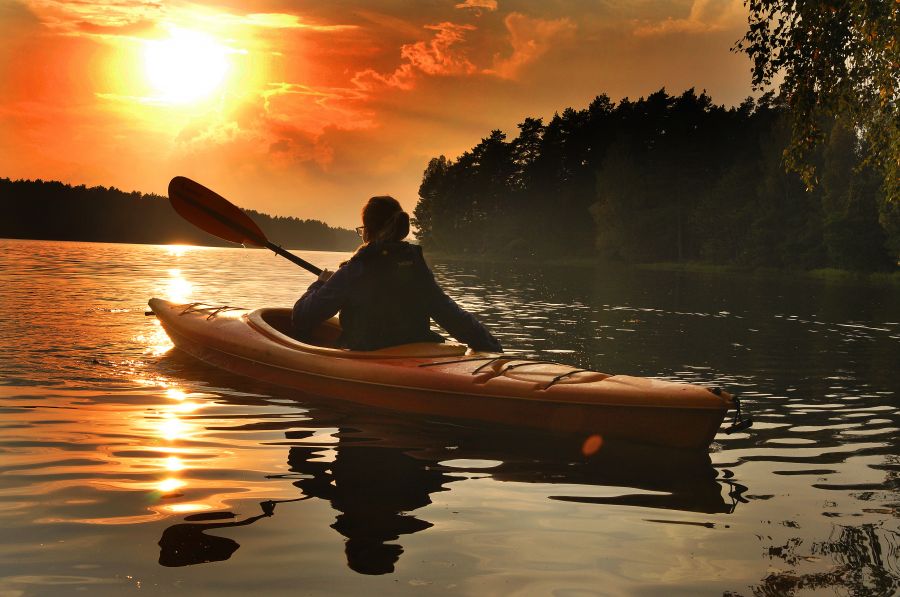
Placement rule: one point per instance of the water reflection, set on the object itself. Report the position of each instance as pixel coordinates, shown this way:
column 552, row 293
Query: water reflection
column 179, row 289
column 99, row 424
column 373, row 489
column 376, row 486
column 188, row 543
column 380, row 472
column 866, row 562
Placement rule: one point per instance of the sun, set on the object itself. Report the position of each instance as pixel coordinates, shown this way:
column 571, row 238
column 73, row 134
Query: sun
column 187, row 67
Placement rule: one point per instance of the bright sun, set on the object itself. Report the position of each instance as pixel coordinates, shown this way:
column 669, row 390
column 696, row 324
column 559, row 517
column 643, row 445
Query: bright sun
column 187, row 67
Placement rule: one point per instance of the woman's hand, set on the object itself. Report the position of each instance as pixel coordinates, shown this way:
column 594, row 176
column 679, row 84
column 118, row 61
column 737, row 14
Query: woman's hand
column 323, row 277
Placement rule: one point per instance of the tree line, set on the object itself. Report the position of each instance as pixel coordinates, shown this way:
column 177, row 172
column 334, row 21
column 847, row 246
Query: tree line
column 50, row 210
column 663, row 178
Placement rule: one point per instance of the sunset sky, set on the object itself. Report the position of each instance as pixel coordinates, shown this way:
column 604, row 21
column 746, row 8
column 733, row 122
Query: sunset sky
column 307, row 108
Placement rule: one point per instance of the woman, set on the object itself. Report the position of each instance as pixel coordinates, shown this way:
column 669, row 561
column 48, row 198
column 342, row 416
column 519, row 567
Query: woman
column 386, row 294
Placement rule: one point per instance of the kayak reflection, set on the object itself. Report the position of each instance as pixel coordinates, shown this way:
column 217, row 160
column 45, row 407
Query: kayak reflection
column 376, row 487
column 378, row 472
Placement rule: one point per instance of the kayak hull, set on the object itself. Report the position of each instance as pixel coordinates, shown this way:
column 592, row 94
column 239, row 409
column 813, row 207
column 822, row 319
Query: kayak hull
column 444, row 381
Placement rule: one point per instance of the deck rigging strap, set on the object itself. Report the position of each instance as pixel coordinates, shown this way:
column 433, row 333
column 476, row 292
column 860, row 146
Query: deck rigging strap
column 525, row 362
column 209, row 310
column 562, row 376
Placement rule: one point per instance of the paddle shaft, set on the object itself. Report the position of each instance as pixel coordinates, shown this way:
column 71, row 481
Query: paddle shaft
column 291, row 257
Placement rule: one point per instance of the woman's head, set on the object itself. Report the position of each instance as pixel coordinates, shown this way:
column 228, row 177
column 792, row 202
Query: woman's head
column 384, row 220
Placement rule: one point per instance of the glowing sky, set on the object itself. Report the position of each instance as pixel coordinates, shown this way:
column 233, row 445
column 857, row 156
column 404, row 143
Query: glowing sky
column 307, row 108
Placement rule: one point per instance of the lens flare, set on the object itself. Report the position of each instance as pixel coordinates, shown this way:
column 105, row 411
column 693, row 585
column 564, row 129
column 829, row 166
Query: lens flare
column 592, row 445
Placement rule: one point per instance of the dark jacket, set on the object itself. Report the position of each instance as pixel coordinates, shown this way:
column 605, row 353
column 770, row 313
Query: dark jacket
column 387, row 296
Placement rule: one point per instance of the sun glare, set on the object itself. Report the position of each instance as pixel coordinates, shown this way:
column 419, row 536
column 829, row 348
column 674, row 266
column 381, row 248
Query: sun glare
column 187, row 67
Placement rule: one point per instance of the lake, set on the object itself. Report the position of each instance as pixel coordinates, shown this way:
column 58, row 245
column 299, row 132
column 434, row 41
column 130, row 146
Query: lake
column 126, row 466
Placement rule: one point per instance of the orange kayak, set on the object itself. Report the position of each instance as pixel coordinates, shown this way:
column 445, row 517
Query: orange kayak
column 447, row 380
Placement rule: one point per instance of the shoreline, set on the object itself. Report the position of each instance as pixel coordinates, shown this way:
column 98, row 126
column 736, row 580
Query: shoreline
column 826, row 274
column 224, row 245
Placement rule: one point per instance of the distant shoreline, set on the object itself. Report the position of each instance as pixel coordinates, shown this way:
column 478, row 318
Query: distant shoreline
column 825, row 274
column 51, row 210
column 171, row 244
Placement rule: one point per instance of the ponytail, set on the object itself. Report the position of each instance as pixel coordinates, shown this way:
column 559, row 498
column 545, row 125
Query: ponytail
column 385, row 220
column 395, row 229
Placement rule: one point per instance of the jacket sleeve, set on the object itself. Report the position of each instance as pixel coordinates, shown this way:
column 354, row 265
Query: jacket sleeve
column 322, row 300
column 461, row 324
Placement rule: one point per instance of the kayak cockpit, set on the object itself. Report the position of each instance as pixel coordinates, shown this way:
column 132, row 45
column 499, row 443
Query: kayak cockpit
column 275, row 323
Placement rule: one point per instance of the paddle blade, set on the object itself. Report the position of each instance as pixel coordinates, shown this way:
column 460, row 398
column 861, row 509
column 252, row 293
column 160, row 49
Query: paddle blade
column 212, row 213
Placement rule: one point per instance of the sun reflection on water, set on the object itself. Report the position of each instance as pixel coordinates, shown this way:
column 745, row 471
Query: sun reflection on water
column 185, row 508
column 178, row 289
column 157, row 342
column 175, row 394
column 179, row 250
column 170, row 484
column 174, row 463
column 172, row 428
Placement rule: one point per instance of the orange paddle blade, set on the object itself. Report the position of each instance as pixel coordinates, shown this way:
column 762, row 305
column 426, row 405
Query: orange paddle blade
column 212, row 213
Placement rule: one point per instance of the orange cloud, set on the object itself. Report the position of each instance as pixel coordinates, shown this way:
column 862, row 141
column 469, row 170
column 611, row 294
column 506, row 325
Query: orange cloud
column 530, row 39
column 128, row 17
column 271, row 20
column 283, row 125
column 705, row 16
column 479, row 5
column 438, row 56
column 313, row 109
column 96, row 15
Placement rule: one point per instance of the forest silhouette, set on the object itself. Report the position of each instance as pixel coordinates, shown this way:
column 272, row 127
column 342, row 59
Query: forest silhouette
column 49, row 210
column 661, row 179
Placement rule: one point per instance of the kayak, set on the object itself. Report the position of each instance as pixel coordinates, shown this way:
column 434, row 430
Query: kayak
column 448, row 380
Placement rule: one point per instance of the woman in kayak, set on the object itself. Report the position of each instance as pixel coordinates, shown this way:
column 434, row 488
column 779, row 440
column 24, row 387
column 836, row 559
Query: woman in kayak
column 385, row 293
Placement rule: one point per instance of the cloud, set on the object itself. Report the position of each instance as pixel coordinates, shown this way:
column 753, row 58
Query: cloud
column 530, row 39
column 255, row 134
column 479, row 5
column 438, row 56
column 272, row 20
column 134, row 28
column 96, row 15
column 127, row 17
column 706, row 16
column 317, row 107
column 283, row 126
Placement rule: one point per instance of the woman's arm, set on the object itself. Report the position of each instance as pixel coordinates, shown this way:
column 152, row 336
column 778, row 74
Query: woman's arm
column 461, row 324
column 323, row 299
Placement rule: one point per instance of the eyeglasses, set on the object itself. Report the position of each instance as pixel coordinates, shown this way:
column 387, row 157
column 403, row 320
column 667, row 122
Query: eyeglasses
column 360, row 230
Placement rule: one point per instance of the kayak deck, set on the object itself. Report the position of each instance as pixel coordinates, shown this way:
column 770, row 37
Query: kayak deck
column 446, row 379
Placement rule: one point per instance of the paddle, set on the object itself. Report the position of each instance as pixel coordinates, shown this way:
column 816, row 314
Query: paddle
column 212, row 213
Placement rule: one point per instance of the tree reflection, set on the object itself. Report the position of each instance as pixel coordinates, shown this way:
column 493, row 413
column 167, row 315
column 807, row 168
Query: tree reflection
column 866, row 561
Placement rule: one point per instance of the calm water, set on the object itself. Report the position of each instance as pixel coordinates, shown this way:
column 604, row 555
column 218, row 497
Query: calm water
column 126, row 466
